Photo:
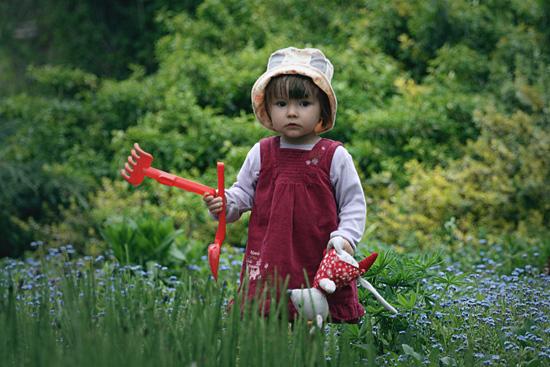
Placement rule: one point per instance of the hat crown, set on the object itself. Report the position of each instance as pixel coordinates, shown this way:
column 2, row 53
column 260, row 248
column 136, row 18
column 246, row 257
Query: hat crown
column 309, row 57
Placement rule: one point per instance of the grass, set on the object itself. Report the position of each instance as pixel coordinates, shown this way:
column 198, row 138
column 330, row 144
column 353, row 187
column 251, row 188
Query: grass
column 59, row 310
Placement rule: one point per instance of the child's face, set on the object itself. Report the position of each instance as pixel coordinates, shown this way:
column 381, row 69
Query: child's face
column 296, row 119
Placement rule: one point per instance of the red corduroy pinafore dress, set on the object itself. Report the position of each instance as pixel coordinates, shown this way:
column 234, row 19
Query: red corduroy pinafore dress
column 293, row 214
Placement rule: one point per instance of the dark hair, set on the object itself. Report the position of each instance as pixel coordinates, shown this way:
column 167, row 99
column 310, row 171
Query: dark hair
column 295, row 86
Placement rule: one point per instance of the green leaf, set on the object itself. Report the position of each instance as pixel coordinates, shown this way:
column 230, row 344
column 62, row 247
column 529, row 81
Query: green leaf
column 411, row 352
column 447, row 361
column 177, row 254
column 408, row 301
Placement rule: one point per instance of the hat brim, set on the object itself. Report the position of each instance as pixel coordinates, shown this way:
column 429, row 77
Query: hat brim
column 258, row 91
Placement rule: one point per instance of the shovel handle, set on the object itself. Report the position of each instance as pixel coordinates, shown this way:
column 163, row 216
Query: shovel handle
column 215, row 248
column 220, row 233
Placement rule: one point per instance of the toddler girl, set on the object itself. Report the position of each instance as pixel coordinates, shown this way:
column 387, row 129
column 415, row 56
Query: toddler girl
column 303, row 190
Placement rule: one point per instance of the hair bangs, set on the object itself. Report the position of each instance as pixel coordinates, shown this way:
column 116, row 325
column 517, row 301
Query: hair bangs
column 291, row 87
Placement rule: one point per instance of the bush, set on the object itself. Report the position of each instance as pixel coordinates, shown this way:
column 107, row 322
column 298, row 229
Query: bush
column 140, row 241
column 499, row 186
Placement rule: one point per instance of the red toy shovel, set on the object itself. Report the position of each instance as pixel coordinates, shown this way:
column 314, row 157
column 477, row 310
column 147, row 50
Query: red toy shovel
column 139, row 166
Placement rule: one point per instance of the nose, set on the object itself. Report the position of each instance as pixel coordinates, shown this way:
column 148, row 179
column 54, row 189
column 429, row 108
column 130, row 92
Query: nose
column 292, row 109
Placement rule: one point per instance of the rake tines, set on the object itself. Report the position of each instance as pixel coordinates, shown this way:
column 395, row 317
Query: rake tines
column 138, row 162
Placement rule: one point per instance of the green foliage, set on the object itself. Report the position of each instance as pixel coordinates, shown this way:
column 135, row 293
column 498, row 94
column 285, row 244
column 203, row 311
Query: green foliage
column 500, row 185
column 398, row 279
column 54, row 146
column 62, row 81
column 140, row 241
column 459, row 67
column 415, row 32
column 443, row 105
column 425, row 123
column 102, row 37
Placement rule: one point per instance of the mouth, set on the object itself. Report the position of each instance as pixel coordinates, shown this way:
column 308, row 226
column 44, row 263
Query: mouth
column 292, row 125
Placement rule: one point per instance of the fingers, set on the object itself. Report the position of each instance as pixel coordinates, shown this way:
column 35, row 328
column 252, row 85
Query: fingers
column 340, row 244
column 337, row 243
column 214, row 204
column 348, row 248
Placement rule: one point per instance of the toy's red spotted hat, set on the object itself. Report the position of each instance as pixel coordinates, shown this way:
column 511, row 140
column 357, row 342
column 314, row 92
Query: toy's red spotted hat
column 334, row 268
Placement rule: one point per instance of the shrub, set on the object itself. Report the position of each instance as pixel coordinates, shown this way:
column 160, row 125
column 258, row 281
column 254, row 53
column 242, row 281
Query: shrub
column 499, row 186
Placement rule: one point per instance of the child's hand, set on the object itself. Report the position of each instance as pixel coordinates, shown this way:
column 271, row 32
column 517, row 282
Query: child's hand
column 213, row 203
column 340, row 244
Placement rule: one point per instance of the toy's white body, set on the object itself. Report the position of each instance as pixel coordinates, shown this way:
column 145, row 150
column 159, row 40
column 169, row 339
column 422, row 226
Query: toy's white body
column 311, row 303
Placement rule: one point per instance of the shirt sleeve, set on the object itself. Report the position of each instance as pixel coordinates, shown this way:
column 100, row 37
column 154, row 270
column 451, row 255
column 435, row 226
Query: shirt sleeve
column 240, row 196
column 350, row 199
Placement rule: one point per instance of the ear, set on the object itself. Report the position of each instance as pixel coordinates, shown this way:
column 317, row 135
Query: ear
column 319, row 128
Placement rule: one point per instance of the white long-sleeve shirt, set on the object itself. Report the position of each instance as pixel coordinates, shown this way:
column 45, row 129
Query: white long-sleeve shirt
column 349, row 195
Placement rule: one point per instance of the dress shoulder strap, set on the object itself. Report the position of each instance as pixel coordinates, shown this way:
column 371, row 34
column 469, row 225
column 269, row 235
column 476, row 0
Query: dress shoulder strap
column 268, row 150
column 325, row 152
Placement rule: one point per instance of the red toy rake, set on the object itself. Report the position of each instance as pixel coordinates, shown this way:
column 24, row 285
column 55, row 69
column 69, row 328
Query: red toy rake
column 139, row 166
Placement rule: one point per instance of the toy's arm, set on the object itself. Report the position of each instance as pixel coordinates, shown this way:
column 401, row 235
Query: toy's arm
column 377, row 295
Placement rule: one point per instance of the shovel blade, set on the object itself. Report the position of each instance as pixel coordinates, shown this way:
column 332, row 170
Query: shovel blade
column 214, row 259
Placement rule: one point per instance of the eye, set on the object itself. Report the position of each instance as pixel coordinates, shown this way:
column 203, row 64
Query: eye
column 280, row 103
column 305, row 103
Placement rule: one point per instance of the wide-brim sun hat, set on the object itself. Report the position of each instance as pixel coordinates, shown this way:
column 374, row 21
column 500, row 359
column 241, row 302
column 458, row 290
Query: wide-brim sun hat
column 309, row 62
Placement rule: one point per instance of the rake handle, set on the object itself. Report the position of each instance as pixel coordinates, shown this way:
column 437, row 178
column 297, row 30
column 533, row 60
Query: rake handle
column 169, row 179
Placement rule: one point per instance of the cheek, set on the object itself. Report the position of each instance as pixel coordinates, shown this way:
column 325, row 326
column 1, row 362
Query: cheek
column 317, row 117
column 317, row 113
column 276, row 113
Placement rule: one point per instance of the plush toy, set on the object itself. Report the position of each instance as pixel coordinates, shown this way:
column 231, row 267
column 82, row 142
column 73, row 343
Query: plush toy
column 337, row 269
